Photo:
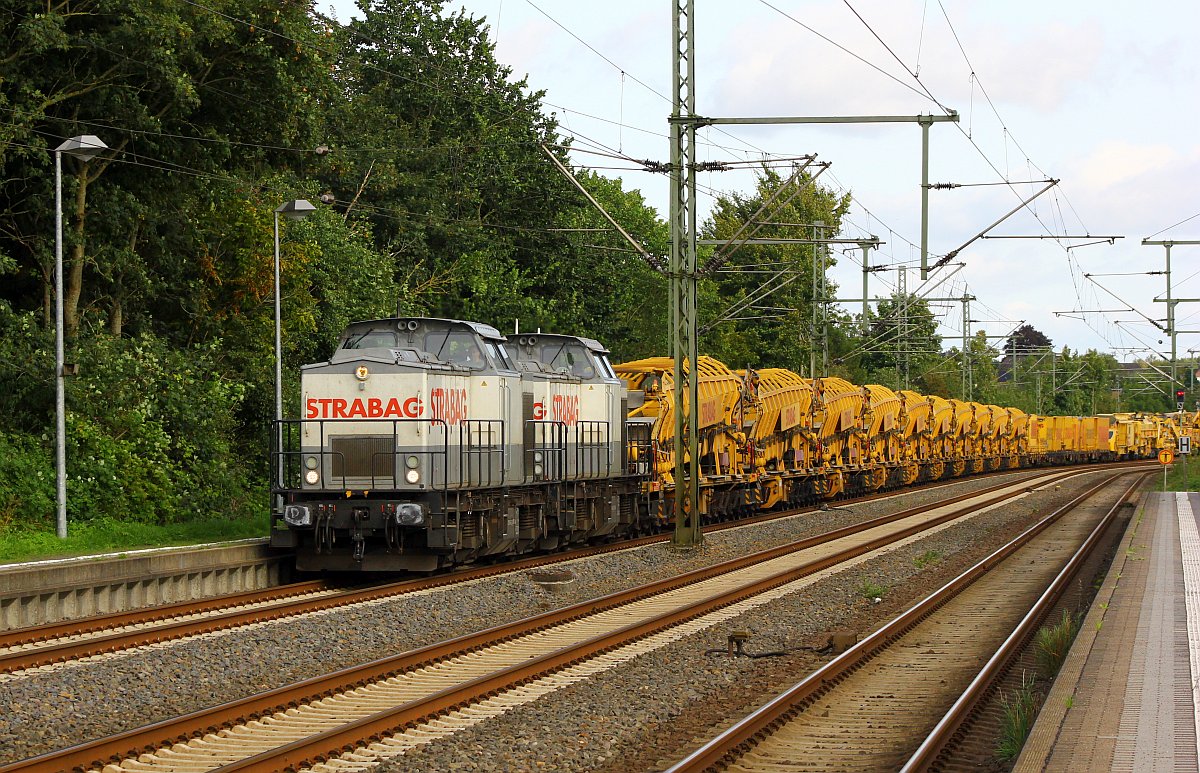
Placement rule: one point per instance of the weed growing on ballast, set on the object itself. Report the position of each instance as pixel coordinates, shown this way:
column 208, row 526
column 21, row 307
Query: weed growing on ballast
column 927, row 558
column 1020, row 709
column 871, row 591
column 1052, row 643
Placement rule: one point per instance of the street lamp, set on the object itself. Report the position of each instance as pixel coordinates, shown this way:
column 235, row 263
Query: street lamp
column 296, row 209
column 84, row 147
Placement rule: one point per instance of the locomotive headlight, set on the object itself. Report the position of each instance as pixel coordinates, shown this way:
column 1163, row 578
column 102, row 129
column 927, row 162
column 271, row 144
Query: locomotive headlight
column 310, row 462
column 412, row 462
column 537, row 469
column 537, row 456
column 413, row 476
column 311, row 477
column 361, row 373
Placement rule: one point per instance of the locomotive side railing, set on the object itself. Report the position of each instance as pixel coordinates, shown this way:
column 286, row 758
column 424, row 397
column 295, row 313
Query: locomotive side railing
column 639, row 448
column 481, row 452
column 593, row 452
column 545, row 450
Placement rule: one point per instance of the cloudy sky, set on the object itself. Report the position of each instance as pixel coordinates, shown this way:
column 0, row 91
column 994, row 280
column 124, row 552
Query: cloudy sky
column 1100, row 94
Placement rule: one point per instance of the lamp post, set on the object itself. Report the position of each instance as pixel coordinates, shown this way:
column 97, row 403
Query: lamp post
column 296, row 209
column 84, row 147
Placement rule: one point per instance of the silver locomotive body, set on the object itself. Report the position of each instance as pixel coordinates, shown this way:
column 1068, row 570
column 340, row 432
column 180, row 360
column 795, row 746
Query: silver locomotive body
column 422, row 445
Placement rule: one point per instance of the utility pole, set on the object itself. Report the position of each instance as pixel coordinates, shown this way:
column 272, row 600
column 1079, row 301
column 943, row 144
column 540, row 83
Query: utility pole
column 683, row 278
column 968, row 386
column 683, row 269
column 903, row 337
column 812, row 336
column 1172, row 302
column 865, row 246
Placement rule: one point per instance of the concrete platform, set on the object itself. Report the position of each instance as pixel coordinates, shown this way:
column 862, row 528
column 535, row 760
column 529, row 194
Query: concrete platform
column 1126, row 698
column 37, row 592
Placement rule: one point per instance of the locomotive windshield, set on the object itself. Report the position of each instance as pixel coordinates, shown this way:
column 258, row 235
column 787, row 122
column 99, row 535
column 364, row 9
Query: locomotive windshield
column 371, row 339
column 571, row 357
column 457, row 346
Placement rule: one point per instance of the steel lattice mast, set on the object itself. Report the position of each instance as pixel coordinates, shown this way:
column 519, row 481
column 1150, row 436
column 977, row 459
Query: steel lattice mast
column 684, row 327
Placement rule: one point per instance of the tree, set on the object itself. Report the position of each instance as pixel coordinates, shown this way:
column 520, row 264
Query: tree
column 1026, row 338
column 901, row 343
column 148, row 76
column 745, row 323
column 441, row 154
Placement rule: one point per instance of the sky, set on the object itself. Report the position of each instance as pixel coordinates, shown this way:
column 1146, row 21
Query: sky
column 1101, row 95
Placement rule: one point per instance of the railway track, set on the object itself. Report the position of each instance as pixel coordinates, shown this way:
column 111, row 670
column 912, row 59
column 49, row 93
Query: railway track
column 39, row 646
column 399, row 702
column 870, row 708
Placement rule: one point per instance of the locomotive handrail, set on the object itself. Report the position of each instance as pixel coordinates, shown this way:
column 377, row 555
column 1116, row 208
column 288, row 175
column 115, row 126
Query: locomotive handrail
column 555, row 449
column 585, row 450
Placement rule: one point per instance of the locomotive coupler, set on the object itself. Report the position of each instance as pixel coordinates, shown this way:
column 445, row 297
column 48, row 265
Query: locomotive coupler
column 361, row 516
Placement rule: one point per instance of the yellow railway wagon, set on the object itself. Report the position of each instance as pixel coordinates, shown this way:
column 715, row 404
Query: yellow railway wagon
column 1167, row 435
column 1123, row 436
column 778, row 423
column 771, row 437
column 945, row 438
column 1035, row 436
column 1064, row 434
column 1016, row 442
column 839, row 417
column 722, row 444
column 921, row 435
column 994, row 431
column 1094, row 441
column 966, row 437
column 885, row 439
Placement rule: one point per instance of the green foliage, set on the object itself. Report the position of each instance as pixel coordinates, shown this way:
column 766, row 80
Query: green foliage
column 775, row 330
column 901, row 337
column 1051, row 644
column 444, row 203
column 1019, row 712
column 26, row 481
column 1183, row 475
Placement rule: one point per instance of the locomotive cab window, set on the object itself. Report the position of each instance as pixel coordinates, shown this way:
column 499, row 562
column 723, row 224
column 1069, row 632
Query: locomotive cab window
column 370, row 339
column 570, row 358
column 500, row 355
column 604, row 366
column 456, row 346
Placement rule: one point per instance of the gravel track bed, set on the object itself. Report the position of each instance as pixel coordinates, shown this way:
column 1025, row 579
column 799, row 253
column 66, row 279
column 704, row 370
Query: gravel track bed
column 607, row 721
column 647, row 714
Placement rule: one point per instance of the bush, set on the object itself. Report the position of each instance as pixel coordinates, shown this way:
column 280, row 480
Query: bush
column 152, row 431
column 27, row 481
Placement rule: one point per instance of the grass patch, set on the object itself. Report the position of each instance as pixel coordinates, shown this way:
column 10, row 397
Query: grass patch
column 871, row 591
column 1020, row 709
column 1183, row 475
column 105, row 535
column 1052, row 642
column 927, row 558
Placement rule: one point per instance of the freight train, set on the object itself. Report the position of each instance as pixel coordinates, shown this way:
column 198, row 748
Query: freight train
column 426, row 443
